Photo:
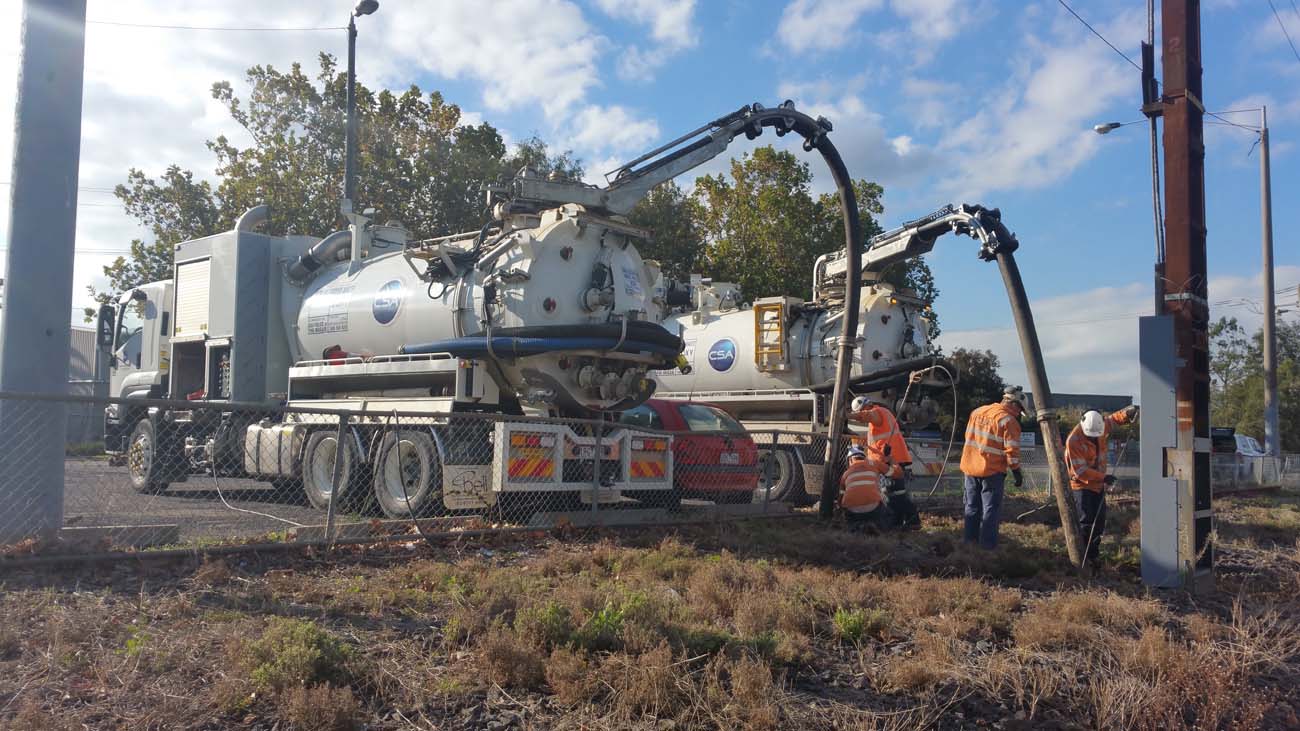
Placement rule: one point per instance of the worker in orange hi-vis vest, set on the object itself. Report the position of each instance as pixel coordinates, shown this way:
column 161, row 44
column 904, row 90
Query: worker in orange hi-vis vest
column 992, row 448
column 1085, row 458
column 860, row 497
column 883, row 433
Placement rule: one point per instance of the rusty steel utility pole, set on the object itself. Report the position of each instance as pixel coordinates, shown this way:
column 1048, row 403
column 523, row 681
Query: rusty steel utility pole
column 1182, row 294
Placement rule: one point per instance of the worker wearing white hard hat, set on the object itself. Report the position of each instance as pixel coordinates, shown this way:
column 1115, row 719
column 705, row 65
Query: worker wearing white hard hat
column 860, row 497
column 1085, row 458
column 883, row 433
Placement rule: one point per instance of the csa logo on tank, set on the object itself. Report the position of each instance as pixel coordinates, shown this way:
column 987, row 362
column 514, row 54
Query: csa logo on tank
column 388, row 300
column 722, row 355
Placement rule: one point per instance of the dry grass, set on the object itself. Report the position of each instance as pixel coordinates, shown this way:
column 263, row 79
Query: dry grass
column 322, row 708
column 752, row 627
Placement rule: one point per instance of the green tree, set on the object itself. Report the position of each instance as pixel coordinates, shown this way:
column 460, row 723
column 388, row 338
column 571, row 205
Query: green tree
column 416, row 163
column 1237, row 383
column 676, row 241
column 979, row 384
column 765, row 229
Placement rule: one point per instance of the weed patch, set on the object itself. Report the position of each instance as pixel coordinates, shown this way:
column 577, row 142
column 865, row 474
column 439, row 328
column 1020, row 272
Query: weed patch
column 293, row 653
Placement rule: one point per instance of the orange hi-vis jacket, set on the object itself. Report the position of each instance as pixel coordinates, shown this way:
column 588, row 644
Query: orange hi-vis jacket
column 992, row 441
column 1085, row 456
column 882, row 429
column 860, row 486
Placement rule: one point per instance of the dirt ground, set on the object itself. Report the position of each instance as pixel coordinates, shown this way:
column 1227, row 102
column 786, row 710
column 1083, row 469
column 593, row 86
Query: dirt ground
column 760, row 625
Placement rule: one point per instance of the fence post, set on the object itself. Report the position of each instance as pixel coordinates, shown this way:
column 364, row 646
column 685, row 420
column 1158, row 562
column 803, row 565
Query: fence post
column 595, row 473
column 340, row 444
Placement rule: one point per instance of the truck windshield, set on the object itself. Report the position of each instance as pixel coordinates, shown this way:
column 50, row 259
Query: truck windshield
column 130, row 323
column 709, row 418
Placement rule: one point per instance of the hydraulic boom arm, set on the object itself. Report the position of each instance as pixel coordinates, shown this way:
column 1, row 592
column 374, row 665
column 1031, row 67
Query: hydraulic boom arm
column 634, row 179
column 915, row 238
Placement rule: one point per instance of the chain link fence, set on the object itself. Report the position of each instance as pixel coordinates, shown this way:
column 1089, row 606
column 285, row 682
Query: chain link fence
column 191, row 474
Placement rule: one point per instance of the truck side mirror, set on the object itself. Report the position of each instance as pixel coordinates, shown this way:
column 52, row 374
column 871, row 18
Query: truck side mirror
column 104, row 327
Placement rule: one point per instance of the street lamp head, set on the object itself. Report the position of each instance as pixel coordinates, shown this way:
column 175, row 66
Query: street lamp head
column 365, row 7
column 1103, row 129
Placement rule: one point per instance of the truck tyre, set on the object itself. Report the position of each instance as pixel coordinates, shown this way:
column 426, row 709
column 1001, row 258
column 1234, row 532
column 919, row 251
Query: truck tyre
column 318, row 469
column 144, row 461
column 408, row 475
column 781, row 475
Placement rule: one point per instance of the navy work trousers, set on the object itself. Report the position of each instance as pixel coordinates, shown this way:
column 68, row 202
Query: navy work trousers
column 983, row 509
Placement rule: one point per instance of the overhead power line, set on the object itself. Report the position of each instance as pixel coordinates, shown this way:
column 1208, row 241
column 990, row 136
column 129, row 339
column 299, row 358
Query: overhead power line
column 1102, row 37
column 262, row 29
column 1282, row 25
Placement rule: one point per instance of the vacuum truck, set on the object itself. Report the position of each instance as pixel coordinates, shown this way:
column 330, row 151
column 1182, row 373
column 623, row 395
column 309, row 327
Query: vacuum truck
column 548, row 308
column 771, row 362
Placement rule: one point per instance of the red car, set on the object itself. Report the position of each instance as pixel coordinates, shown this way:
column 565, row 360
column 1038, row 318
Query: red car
column 719, row 464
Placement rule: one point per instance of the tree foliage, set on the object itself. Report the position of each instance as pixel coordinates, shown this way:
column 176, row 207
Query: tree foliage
column 676, row 240
column 979, row 384
column 765, row 229
column 1237, row 380
column 416, row 163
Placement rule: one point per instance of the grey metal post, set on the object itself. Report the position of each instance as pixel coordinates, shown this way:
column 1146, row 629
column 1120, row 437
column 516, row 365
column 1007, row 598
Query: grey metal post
column 350, row 144
column 1272, row 437
column 38, row 273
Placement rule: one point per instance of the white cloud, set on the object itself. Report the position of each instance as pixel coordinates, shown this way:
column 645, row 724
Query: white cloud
column 820, row 24
column 539, row 53
column 672, row 29
column 938, row 20
column 612, row 129
column 930, row 101
column 1037, row 128
column 1090, row 338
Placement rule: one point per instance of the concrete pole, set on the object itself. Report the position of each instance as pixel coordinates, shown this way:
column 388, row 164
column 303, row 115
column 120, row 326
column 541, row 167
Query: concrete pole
column 1272, row 437
column 38, row 273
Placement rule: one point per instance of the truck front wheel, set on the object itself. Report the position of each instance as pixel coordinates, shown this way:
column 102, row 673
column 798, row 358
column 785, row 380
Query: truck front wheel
column 144, row 461
column 318, row 469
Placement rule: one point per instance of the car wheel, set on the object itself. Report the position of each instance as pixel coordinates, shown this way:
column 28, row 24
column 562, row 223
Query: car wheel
column 144, row 461
column 408, row 475
column 318, row 469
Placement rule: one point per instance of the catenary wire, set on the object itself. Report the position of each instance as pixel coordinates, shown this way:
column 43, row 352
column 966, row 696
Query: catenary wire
column 1099, row 35
column 1282, row 25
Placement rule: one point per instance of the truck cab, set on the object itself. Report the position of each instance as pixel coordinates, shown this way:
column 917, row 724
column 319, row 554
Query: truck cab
column 140, row 353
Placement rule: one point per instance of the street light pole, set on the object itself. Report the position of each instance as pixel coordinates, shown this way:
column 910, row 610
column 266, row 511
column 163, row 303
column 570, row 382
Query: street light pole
column 350, row 145
column 1272, row 438
column 363, row 7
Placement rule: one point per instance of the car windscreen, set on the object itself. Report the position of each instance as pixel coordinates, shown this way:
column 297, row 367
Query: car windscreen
column 643, row 416
column 709, row 418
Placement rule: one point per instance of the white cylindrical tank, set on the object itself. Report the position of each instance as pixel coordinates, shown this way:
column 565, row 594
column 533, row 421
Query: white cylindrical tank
column 721, row 346
column 567, row 278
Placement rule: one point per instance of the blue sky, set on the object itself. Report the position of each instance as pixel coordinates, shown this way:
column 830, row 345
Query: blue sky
column 939, row 100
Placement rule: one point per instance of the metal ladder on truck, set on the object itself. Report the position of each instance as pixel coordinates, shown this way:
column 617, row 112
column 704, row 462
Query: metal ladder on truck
column 769, row 334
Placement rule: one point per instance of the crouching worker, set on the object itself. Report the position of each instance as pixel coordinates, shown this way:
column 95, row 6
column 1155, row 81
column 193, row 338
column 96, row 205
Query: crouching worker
column 1085, row 455
column 885, row 444
column 860, row 497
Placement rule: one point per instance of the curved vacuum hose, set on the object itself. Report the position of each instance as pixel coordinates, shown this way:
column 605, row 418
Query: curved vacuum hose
column 323, row 252
column 253, row 217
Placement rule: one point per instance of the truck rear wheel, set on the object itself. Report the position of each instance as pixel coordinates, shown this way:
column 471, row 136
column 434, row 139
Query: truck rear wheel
column 780, row 474
column 318, row 469
column 144, row 461
column 408, row 475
